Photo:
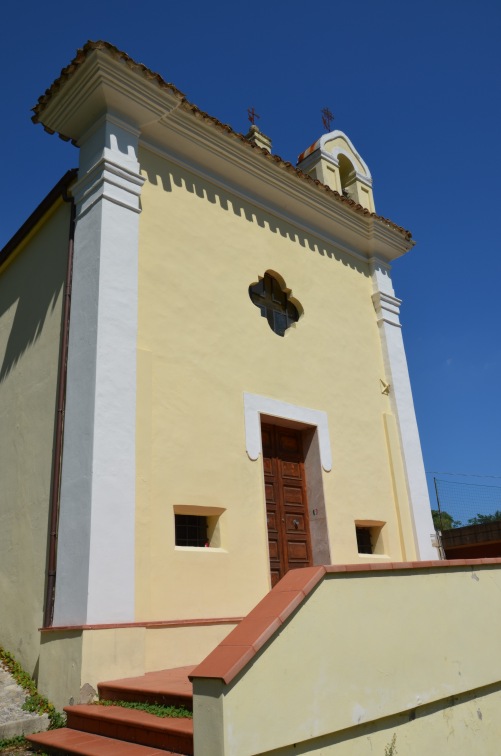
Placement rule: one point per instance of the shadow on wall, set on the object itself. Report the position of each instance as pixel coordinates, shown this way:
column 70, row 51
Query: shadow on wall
column 31, row 285
column 162, row 173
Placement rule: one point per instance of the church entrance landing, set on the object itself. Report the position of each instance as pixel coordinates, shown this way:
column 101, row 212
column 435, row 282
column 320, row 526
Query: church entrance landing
column 286, row 501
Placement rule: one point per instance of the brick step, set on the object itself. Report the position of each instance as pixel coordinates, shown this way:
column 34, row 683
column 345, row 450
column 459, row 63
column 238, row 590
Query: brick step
column 170, row 687
column 133, row 726
column 66, row 741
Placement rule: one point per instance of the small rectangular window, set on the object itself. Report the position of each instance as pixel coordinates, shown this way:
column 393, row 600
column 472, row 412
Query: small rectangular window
column 364, row 540
column 191, row 530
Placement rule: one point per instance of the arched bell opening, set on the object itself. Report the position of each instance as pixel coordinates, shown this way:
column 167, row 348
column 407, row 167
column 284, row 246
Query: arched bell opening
column 348, row 178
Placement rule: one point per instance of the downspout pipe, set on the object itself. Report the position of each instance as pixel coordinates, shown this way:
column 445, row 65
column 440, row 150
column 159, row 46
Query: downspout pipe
column 57, row 460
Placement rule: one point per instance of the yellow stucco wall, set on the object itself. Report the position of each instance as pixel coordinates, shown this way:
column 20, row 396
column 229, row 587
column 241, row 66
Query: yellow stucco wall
column 31, row 293
column 201, row 345
column 60, row 667
column 410, row 652
column 467, row 727
column 71, row 660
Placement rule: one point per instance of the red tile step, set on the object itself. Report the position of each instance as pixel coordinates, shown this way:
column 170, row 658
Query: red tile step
column 85, row 744
column 94, row 730
column 169, row 687
column 133, row 726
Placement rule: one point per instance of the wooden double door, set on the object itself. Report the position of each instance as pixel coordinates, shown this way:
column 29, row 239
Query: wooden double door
column 286, row 504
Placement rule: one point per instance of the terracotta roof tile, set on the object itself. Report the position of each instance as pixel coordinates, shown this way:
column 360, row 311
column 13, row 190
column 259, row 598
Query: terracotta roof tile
column 90, row 46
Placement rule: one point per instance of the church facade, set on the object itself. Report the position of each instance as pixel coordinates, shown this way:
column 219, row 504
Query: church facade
column 203, row 385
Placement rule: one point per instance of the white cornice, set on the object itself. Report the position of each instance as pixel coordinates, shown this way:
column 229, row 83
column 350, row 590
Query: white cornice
column 103, row 84
column 255, row 200
column 111, row 118
column 226, row 161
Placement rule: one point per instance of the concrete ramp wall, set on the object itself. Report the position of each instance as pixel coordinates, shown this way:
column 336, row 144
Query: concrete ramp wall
column 359, row 660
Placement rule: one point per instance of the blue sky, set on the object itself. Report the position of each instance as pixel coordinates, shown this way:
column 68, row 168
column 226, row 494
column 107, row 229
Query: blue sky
column 416, row 88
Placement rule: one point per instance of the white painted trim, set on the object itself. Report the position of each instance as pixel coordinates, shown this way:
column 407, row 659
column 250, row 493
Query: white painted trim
column 387, row 308
column 108, row 180
column 256, row 405
column 332, row 157
column 336, row 134
column 95, row 580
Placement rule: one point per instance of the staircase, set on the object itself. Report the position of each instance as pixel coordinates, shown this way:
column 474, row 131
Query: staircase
column 115, row 731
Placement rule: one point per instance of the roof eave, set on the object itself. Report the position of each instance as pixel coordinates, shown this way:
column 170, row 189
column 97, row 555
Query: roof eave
column 102, row 78
column 59, row 190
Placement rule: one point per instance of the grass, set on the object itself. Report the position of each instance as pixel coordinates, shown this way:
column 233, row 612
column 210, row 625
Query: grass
column 12, row 744
column 16, row 744
column 34, row 703
column 158, row 710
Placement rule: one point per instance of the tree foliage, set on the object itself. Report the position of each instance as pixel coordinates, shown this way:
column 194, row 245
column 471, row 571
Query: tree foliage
column 444, row 521
column 483, row 519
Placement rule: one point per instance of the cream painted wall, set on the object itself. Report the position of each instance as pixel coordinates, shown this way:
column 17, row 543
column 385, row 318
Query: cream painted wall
column 71, row 659
column 467, row 727
column 31, row 293
column 417, row 657
column 59, row 676
column 201, row 345
column 167, row 647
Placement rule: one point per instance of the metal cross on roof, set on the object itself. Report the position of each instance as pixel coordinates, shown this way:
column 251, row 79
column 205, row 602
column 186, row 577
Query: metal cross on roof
column 327, row 118
column 252, row 115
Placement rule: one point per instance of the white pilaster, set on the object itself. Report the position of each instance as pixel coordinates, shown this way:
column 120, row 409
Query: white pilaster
column 387, row 308
column 95, row 563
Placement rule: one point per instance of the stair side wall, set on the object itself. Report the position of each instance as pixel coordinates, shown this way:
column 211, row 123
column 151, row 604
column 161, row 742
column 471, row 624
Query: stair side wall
column 367, row 655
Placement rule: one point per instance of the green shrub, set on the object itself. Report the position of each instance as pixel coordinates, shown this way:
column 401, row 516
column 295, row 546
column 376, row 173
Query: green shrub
column 34, row 702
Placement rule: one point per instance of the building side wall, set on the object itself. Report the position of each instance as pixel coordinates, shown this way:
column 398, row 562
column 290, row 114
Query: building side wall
column 31, row 297
column 60, row 667
column 357, row 663
column 201, row 344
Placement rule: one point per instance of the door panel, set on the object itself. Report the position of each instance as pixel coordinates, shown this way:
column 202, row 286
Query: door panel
column 286, row 504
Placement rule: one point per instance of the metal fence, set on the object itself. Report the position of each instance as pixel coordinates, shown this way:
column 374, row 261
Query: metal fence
column 461, row 504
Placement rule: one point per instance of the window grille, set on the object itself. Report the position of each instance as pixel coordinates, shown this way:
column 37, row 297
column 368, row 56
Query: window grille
column 191, row 530
column 364, row 540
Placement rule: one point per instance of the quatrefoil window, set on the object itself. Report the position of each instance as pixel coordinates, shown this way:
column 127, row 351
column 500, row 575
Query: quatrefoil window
column 274, row 301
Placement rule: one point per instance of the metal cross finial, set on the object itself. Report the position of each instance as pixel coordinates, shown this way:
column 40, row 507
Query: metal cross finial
column 252, row 115
column 327, row 118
